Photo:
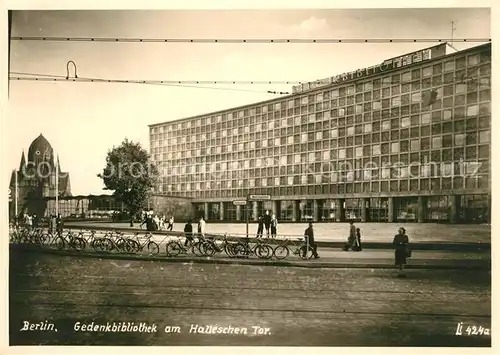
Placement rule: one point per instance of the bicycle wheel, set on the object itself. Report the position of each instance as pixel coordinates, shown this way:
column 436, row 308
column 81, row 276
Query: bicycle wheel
column 122, row 245
column 97, row 245
column 229, row 250
column 305, row 253
column 241, row 250
column 153, row 248
column 77, row 243
column 173, row 248
column 38, row 241
column 263, row 251
column 107, row 244
column 207, row 248
column 281, row 252
column 134, row 245
column 59, row 243
column 45, row 238
column 196, row 248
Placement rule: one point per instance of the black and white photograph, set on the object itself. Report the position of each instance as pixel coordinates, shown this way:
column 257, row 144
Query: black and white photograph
column 249, row 177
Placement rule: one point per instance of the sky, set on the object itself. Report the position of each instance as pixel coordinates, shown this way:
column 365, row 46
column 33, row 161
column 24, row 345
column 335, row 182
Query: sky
column 83, row 121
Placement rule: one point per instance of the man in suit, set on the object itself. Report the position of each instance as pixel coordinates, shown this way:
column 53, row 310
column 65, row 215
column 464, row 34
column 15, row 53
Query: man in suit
column 309, row 237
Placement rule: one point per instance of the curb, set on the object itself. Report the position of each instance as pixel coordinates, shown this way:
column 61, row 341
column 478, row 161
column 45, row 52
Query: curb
column 312, row 264
column 438, row 246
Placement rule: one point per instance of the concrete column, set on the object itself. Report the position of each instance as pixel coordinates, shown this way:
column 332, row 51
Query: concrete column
column 295, row 211
column 278, row 209
column 452, row 200
column 221, row 210
column 255, row 210
column 274, row 208
column 390, row 209
column 421, row 209
column 206, row 211
column 340, row 213
column 315, row 210
column 238, row 213
column 364, row 210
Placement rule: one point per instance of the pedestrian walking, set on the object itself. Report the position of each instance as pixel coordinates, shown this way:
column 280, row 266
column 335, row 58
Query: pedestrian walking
column 274, row 226
column 59, row 225
column 156, row 221
column 188, row 233
column 352, row 236
column 401, row 249
column 53, row 224
column 161, row 223
column 35, row 221
column 309, row 239
column 29, row 222
column 357, row 241
column 201, row 227
column 170, row 223
column 260, row 227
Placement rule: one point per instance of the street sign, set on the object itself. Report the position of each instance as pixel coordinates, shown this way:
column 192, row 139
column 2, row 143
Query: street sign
column 259, row 197
column 239, row 203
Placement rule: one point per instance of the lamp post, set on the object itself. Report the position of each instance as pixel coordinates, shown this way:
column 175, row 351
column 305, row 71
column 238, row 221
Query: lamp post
column 57, row 185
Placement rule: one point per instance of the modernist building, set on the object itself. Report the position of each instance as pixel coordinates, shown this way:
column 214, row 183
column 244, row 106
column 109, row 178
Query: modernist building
column 36, row 179
column 405, row 140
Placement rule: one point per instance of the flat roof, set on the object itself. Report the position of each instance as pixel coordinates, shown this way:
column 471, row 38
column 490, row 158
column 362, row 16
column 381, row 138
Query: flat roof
column 308, row 92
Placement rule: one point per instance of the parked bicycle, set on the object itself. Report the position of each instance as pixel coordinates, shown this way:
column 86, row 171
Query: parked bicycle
column 210, row 247
column 115, row 241
column 303, row 250
column 69, row 240
column 260, row 249
column 95, row 242
column 175, row 247
column 137, row 244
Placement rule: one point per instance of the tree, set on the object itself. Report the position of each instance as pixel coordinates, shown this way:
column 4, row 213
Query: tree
column 131, row 174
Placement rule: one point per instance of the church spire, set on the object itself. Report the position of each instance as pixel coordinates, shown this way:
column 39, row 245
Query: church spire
column 22, row 165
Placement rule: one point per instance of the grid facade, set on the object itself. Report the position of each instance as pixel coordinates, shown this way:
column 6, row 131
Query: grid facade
column 420, row 130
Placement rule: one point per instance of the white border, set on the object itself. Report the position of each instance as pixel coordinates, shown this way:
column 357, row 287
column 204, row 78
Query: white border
column 227, row 4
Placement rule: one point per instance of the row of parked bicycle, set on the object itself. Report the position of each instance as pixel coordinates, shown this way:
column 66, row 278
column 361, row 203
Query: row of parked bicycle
column 115, row 241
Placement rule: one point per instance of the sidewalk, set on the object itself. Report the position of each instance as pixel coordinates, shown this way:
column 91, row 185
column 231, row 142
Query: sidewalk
column 423, row 236
column 329, row 258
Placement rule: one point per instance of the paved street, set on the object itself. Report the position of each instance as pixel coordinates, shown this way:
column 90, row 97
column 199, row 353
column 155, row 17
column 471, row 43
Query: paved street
column 371, row 232
column 309, row 307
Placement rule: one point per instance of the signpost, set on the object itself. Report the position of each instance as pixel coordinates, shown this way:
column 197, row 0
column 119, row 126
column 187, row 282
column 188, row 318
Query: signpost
column 240, row 203
column 254, row 198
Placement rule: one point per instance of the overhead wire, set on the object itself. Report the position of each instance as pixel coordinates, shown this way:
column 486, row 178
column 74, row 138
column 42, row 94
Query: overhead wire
column 194, row 84
column 245, row 40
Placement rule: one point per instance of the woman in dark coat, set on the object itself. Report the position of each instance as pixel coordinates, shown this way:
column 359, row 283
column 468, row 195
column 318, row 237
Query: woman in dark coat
column 400, row 243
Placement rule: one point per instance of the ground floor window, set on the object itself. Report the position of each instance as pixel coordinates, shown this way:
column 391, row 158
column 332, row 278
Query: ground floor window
column 353, row 209
column 286, row 210
column 229, row 211
column 263, row 206
column 405, row 209
column 306, row 210
column 329, row 210
column 245, row 211
column 474, row 209
column 437, row 209
column 213, row 211
column 199, row 210
column 378, row 210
